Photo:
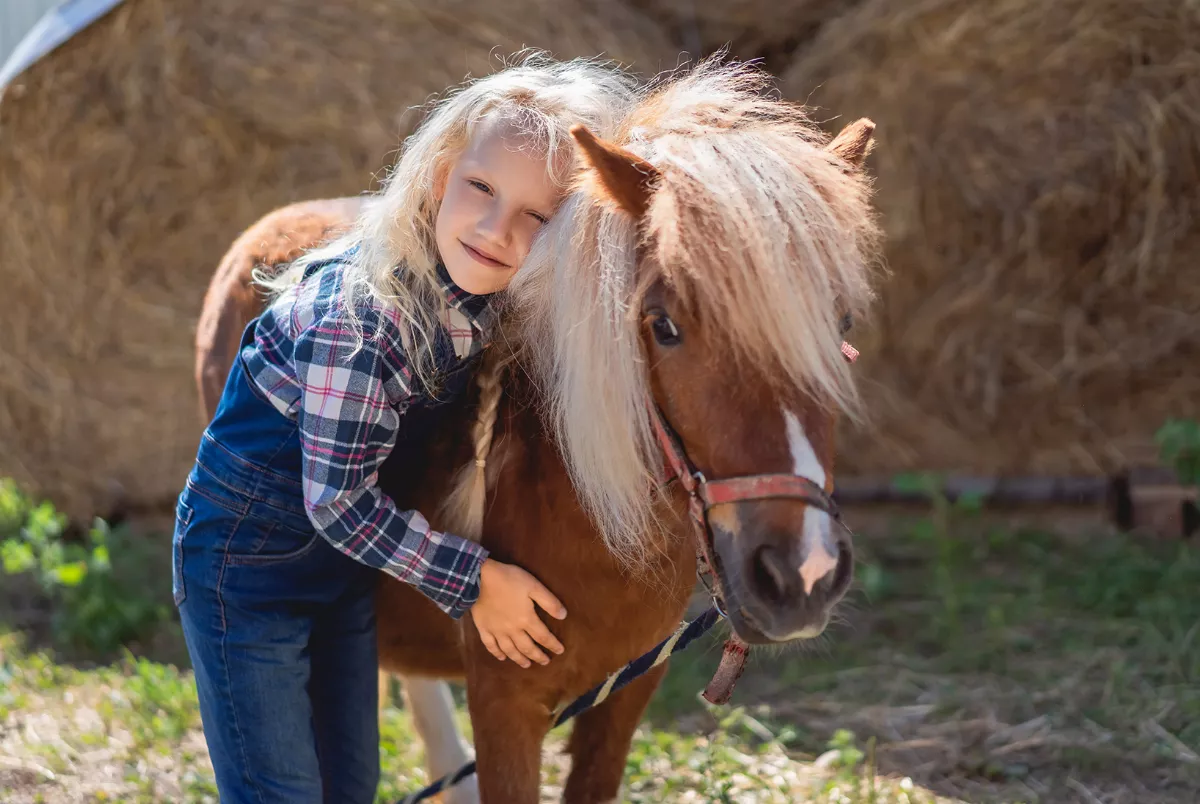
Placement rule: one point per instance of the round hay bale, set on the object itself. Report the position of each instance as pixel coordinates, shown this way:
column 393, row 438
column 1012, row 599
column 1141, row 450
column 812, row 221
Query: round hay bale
column 766, row 29
column 132, row 156
column 1037, row 166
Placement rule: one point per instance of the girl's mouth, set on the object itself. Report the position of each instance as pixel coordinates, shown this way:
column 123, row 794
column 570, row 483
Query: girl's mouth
column 481, row 257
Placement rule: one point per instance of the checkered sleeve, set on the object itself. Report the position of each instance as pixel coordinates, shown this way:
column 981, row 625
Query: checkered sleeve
column 352, row 397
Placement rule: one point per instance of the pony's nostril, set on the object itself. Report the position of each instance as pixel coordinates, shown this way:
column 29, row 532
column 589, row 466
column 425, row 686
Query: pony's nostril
column 844, row 574
column 770, row 574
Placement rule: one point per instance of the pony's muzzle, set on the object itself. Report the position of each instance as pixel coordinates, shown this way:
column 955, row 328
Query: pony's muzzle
column 821, row 571
column 785, row 583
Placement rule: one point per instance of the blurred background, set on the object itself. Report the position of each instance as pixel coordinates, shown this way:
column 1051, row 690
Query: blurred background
column 1024, row 626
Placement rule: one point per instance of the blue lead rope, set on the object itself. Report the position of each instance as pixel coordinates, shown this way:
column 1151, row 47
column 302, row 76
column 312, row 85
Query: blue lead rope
column 683, row 636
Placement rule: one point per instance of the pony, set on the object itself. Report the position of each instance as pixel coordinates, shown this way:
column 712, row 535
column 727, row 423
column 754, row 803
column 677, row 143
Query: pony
column 669, row 366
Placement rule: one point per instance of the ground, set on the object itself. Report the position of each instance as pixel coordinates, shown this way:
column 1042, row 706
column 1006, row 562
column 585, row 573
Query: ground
column 976, row 661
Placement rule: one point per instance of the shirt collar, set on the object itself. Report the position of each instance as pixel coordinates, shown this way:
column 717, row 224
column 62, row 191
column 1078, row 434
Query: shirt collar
column 476, row 308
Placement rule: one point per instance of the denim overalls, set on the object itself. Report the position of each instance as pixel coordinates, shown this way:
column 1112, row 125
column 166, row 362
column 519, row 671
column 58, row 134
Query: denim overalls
column 279, row 624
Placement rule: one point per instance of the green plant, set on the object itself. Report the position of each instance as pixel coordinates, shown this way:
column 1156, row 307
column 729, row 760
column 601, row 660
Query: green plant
column 93, row 608
column 847, row 754
column 164, row 701
column 38, row 548
column 936, row 528
column 1179, row 447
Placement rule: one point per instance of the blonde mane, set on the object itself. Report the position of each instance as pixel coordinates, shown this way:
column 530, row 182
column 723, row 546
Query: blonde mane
column 753, row 223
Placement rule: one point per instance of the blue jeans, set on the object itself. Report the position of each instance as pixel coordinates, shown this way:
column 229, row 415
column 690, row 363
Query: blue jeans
column 280, row 626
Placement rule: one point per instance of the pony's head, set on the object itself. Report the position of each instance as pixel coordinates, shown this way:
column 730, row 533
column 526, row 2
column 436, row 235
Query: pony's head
column 705, row 263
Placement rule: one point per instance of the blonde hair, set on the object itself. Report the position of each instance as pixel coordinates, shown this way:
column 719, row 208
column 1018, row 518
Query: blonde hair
column 396, row 226
column 463, row 508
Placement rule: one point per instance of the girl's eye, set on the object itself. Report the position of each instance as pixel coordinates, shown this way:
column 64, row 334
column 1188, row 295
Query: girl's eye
column 478, row 185
column 541, row 219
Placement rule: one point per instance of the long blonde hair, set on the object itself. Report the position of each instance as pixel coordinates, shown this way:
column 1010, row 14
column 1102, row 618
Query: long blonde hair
column 396, row 226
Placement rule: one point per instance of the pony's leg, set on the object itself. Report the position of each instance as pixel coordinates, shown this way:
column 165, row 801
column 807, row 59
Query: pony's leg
column 446, row 751
column 510, row 719
column 600, row 742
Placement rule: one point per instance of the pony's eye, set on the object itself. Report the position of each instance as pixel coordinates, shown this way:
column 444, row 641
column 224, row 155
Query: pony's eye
column 665, row 331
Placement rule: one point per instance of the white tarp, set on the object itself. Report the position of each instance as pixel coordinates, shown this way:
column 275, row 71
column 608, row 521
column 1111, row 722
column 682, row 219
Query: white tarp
column 55, row 27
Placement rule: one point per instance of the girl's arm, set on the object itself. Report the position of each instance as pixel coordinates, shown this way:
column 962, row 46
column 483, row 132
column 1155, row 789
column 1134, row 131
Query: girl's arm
column 352, row 397
column 351, row 401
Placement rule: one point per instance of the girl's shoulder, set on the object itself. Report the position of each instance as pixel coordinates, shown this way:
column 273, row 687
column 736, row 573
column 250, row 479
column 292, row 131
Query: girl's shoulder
column 320, row 300
column 331, row 264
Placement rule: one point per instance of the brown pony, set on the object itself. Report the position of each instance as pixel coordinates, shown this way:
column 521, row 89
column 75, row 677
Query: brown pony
column 698, row 272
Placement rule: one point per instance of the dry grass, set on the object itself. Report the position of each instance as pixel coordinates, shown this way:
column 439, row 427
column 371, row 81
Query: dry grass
column 131, row 158
column 1037, row 168
column 1036, row 163
column 766, row 29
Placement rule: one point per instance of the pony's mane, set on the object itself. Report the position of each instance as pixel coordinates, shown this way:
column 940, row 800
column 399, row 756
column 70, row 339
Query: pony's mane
column 752, row 223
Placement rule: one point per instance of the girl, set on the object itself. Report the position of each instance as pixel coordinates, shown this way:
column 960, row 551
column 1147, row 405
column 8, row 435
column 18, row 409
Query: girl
column 280, row 527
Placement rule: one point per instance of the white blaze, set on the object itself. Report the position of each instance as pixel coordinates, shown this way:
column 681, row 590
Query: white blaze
column 820, row 556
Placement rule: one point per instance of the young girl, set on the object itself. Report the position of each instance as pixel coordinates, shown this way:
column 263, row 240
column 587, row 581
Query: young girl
column 280, row 527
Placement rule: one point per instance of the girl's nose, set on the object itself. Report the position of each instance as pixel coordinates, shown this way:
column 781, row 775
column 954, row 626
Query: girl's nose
column 495, row 226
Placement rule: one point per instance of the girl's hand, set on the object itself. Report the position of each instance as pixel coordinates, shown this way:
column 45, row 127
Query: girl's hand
column 504, row 614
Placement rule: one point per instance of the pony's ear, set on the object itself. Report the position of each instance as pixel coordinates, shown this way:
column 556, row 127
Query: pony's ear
column 625, row 178
column 854, row 142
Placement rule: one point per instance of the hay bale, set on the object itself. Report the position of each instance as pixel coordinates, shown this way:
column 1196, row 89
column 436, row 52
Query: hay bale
column 767, row 29
column 132, row 156
column 1037, row 166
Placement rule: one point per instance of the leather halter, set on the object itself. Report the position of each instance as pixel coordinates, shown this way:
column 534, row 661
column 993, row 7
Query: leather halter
column 703, row 494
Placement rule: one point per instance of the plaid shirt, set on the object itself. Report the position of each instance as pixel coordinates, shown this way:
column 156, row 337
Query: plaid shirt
column 347, row 405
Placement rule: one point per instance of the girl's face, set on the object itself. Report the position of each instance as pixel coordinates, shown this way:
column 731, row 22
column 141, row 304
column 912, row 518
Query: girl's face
column 494, row 200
